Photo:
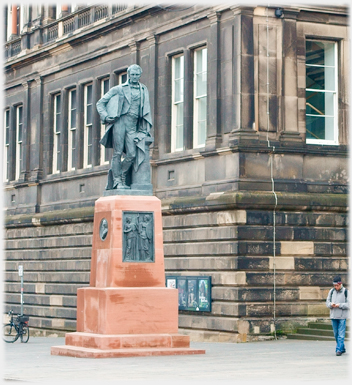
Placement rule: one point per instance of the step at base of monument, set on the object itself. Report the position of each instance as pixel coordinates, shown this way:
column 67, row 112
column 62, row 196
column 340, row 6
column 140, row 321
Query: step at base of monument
column 126, row 341
column 90, row 345
column 79, row 352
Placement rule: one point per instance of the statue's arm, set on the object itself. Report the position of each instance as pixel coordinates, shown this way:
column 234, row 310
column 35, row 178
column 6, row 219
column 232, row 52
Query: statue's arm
column 102, row 104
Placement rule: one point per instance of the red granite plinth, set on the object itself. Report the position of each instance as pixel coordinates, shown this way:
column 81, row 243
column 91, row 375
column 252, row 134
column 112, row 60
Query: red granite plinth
column 107, row 268
column 127, row 310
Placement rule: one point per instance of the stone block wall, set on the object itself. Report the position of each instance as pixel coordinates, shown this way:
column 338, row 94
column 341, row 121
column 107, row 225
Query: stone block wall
column 229, row 237
column 56, row 262
column 235, row 248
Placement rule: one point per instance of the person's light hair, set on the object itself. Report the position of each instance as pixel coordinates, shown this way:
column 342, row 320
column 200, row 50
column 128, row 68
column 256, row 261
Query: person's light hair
column 134, row 67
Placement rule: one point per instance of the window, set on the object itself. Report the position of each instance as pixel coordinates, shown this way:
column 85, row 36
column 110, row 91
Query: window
column 19, row 134
column 177, row 103
column 88, row 126
column 104, row 86
column 321, row 92
column 7, row 145
column 200, row 98
column 72, row 130
column 122, row 77
column 57, row 134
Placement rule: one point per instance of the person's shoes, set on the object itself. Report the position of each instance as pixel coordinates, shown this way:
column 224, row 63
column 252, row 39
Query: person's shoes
column 343, row 351
column 338, row 353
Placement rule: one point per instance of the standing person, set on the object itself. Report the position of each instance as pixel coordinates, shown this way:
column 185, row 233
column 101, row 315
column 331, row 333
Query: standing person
column 125, row 109
column 338, row 303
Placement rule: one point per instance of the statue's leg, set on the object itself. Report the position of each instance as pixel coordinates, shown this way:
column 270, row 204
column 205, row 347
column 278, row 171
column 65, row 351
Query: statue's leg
column 118, row 141
column 130, row 148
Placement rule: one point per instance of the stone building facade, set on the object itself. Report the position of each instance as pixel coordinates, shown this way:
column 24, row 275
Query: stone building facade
column 250, row 112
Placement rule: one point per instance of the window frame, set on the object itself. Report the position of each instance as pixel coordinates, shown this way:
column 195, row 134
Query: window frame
column 103, row 150
column 175, row 104
column 19, row 141
column 335, row 93
column 87, row 126
column 6, row 145
column 120, row 77
column 197, row 98
column 57, row 162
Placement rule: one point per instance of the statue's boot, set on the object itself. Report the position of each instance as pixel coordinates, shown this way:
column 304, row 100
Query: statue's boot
column 125, row 166
column 115, row 171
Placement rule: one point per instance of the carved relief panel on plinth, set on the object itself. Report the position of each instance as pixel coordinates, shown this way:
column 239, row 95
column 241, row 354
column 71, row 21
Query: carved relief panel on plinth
column 138, row 236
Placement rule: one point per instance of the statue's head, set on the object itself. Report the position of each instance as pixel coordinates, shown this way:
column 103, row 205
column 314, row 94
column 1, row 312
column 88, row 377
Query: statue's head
column 134, row 73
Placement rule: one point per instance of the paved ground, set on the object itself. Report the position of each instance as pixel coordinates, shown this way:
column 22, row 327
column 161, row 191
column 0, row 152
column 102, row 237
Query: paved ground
column 282, row 361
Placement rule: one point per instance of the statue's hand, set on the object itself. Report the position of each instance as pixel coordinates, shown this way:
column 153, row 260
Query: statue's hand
column 110, row 119
column 140, row 135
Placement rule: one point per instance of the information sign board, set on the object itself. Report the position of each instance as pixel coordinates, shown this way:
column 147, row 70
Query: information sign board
column 194, row 293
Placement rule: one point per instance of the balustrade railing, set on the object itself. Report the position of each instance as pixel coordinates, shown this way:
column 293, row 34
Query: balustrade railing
column 101, row 12
column 68, row 24
column 84, row 19
column 53, row 32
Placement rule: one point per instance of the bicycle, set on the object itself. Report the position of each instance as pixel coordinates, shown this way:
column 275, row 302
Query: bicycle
column 17, row 328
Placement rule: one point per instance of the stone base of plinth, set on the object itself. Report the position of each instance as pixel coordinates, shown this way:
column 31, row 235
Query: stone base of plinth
column 91, row 345
column 127, row 310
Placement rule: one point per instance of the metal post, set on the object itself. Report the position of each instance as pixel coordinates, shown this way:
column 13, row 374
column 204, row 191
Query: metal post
column 20, row 273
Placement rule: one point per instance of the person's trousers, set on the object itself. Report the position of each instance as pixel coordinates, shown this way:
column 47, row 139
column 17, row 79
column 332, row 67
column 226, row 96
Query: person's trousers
column 339, row 328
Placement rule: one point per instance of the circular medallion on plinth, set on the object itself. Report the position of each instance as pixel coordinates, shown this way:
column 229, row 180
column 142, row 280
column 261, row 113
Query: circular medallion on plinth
column 103, row 229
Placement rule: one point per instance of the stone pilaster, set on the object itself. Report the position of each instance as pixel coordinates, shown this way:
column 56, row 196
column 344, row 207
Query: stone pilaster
column 153, row 82
column 134, row 48
column 243, row 76
column 214, row 98
column 35, row 126
column 290, row 131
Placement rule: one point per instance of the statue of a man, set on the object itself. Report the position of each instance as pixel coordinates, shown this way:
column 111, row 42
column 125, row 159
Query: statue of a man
column 125, row 109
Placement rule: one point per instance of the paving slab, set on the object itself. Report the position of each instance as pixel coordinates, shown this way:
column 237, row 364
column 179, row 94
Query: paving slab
column 277, row 361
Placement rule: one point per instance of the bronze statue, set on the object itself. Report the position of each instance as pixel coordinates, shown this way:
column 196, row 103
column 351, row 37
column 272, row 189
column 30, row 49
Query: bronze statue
column 125, row 109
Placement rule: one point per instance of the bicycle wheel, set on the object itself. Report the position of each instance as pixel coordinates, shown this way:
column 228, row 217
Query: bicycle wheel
column 25, row 334
column 9, row 333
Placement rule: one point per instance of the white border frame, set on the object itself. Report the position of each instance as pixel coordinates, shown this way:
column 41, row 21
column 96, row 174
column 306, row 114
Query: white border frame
column 85, row 134
column 6, row 146
column 103, row 159
column 56, row 134
column 71, row 129
column 335, row 141
column 174, row 104
column 196, row 100
column 19, row 147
